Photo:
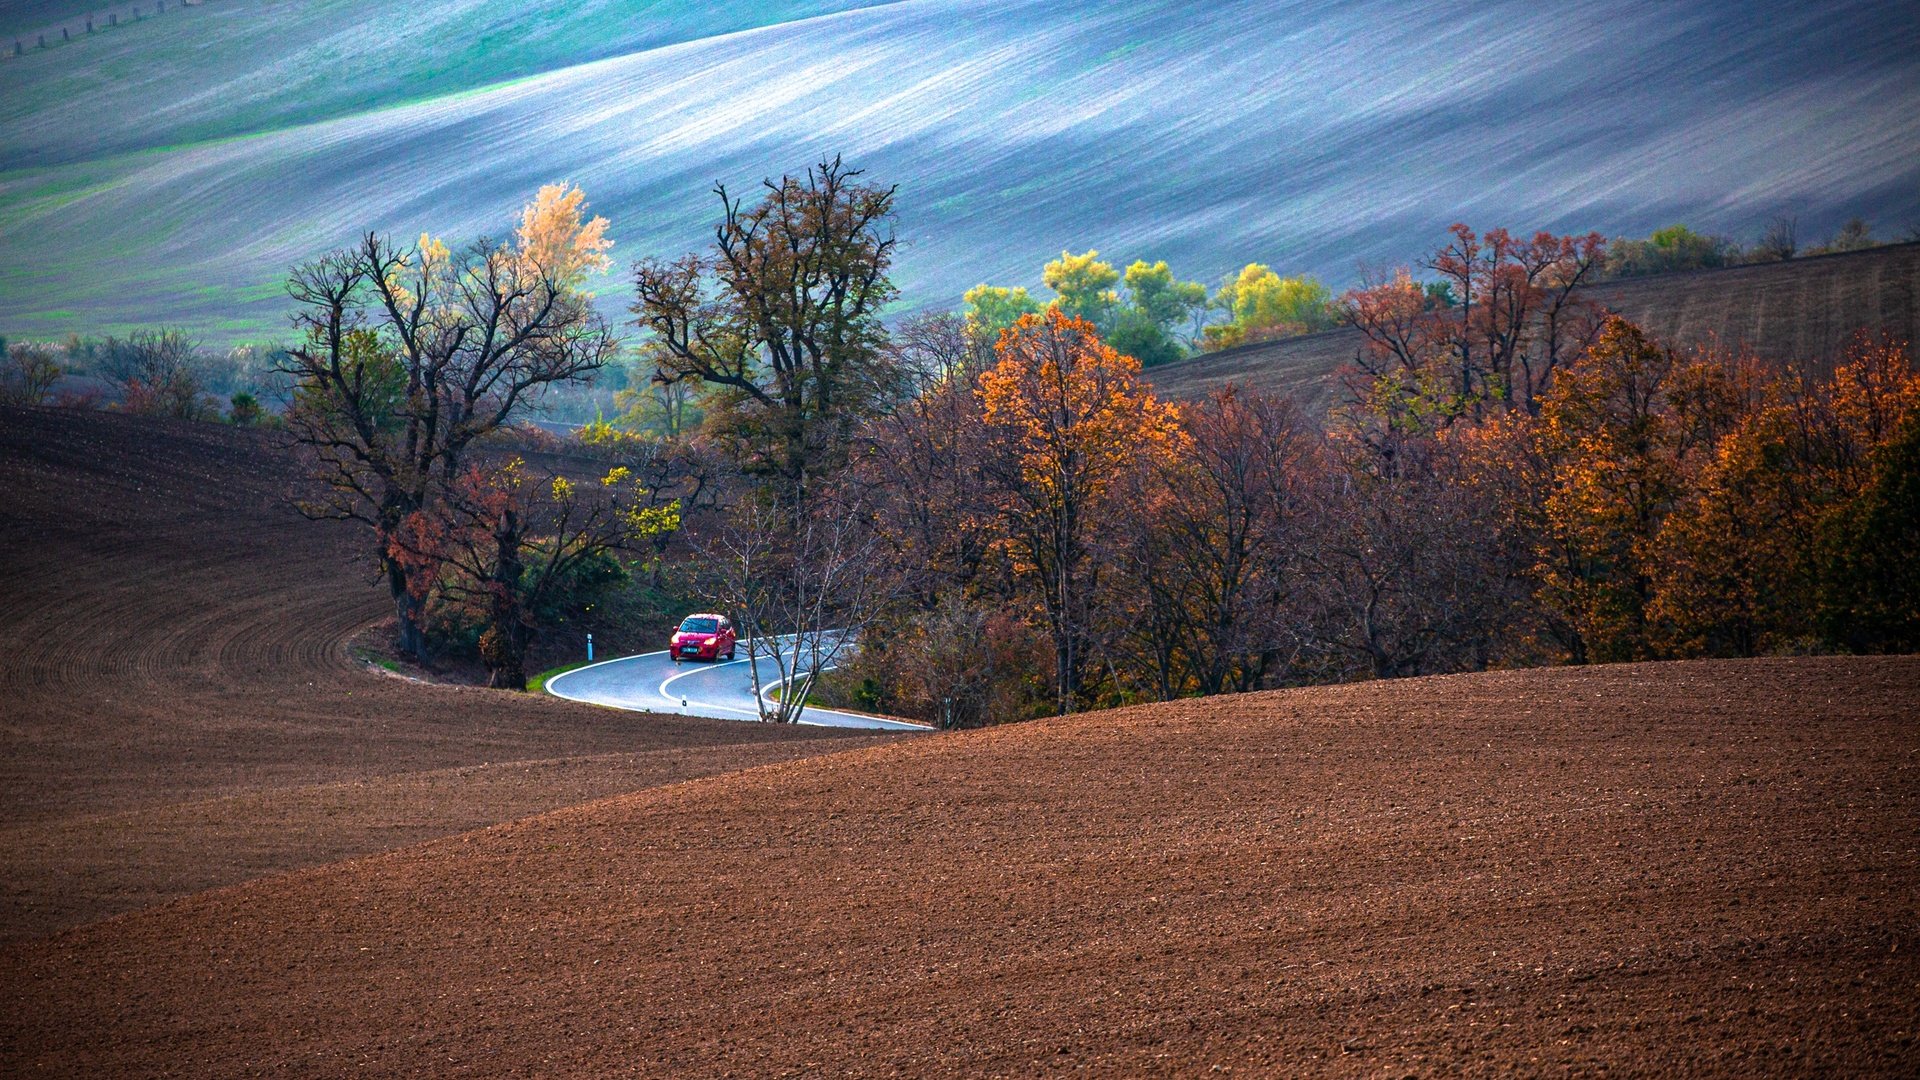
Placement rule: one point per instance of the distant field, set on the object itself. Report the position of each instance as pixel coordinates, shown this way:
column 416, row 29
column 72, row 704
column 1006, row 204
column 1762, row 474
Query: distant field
column 22, row 16
column 174, row 172
column 1803, row 309
column 225, row 68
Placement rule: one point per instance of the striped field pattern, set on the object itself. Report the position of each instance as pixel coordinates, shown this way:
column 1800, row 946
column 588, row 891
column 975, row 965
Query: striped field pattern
column 173, row 170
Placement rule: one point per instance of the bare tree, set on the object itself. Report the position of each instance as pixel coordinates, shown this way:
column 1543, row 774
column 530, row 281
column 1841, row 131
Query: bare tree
column 29, row 373
column 410, row 355
column 934, row 349
column 159, row 373
column 803, row 594
column 150, row 356
column 1213, row 544
column 1404, row 576
column 1780, row 241
column 781, row 322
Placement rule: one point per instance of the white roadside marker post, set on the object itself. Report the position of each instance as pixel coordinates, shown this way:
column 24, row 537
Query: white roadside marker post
column 589, row 648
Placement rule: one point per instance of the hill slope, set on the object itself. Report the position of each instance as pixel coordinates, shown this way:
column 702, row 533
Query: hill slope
column 1686, row 868
column 178, row 708
column 1804, row 310
column 1307, row 133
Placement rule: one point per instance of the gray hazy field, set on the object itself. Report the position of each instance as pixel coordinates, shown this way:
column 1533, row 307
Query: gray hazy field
column 170, row 170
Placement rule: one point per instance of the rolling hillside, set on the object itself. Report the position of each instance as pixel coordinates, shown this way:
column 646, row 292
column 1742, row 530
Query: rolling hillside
column 179, row 708
column 229, row 849
column 1672, row 869
column 1802, row 310
column 171, row 171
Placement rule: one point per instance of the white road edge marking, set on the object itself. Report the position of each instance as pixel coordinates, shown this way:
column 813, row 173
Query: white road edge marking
column 668, row 701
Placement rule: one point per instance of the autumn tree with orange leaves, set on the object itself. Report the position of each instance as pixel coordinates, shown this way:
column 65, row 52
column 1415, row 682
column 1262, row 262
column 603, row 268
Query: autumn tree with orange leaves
column 1764, row 551
column 1485, row 338
column 1068, row 419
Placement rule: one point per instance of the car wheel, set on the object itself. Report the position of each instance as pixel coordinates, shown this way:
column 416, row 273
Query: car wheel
column 729, row 655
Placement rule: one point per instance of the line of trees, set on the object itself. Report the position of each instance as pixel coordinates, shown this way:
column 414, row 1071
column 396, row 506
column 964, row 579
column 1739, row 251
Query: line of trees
column 1639, row 504
column 1151, row 315
column 1146, row 312
column 1512, row 478
column 158, row 372
column 995, row 505
column 997, row 508
column 1678, row 247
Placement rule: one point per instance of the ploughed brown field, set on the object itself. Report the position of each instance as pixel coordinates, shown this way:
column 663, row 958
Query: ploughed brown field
column 178, row 706
column 1803, row 310
column 1700, row 867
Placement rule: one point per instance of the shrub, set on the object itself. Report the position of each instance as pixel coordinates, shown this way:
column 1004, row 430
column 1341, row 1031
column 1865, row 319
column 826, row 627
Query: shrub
column 244, row 410
column 28, row 373
column 1667, row 251
column 158, row 371
column 177, row 395
column 86, row 398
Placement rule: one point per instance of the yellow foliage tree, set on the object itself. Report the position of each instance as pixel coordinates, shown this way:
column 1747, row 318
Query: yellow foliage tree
column 1610, row 444
column 991, row 309
column 556, row 235
column 1265, row 305
column 1084, row 286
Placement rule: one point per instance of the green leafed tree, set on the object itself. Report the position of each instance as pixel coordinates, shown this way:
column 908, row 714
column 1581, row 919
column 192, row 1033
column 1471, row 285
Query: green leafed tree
column 1263, row 305
column 1157, row 308
column 1156, row 293
column 1668, row 250
column 1083, row 288
column 991, row 309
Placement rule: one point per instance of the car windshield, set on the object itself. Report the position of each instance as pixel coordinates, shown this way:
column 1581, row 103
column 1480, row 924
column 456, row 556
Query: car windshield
column 700, row 626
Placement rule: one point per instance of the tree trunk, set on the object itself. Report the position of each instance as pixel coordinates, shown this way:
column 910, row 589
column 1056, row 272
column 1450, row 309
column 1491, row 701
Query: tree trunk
column 507, row 658
column 511, row 672
column 410, row 635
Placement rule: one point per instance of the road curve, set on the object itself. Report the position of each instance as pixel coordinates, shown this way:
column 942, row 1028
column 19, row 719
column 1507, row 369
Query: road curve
column 652, row 682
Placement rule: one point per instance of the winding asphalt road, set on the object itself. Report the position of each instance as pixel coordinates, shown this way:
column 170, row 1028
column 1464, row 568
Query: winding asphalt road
column 652, row 682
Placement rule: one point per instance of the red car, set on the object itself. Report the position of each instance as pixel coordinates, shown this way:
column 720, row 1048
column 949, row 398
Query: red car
column 702, row 637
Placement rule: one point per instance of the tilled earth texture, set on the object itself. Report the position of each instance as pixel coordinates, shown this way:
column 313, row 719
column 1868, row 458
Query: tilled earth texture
column 178, row 709
column 1704, row 868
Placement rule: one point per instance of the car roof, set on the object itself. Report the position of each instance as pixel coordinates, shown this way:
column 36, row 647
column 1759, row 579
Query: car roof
column 702, row 615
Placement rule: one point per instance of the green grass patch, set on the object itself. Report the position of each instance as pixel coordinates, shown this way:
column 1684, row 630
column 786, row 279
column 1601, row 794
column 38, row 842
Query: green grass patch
column 538, row 684
column 369, row 656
